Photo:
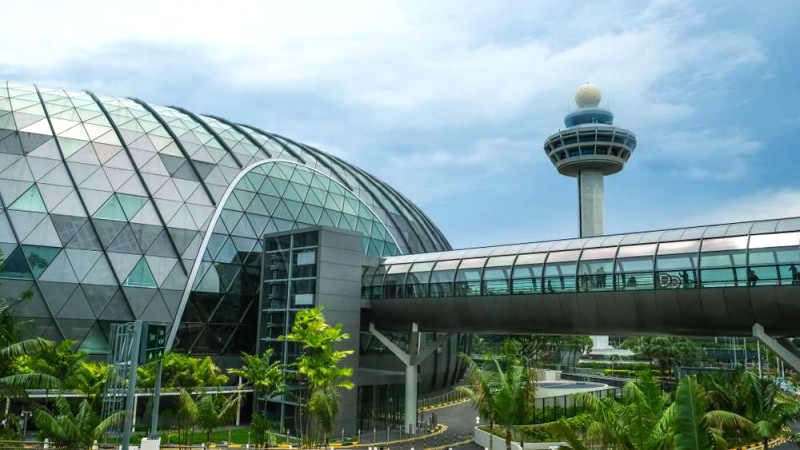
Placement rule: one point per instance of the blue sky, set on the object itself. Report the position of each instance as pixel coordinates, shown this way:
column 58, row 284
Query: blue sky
column 450, row 101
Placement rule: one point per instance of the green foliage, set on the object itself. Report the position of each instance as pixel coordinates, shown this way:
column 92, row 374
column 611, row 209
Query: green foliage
column 534, row 347
column 319, row 365
column 58, row 361
column 263, row 374
column 666, row 351
column 261, row 431
column 759, row 400
column 504, row 393
column 207, row 410
column 182, row 371
column 73, row 430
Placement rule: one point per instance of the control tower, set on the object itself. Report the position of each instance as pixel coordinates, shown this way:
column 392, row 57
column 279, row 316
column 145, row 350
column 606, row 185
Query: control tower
column 590, row 148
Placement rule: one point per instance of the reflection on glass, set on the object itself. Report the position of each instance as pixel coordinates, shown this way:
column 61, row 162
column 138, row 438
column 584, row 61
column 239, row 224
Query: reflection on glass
column 497, row 274
column 468, row 277
column 527, row 273
column 417, row 280
column 441, row 281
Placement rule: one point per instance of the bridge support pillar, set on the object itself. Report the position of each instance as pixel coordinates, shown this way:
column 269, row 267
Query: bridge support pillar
column 783, row 348
column 415, row 355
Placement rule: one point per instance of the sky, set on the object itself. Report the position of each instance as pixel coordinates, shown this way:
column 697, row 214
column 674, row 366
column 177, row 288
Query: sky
column 450, row 101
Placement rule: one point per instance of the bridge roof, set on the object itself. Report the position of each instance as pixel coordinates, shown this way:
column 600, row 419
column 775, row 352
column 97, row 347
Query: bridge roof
column 612, row 240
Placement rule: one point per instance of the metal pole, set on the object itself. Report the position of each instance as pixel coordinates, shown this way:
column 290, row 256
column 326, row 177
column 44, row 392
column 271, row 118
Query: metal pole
column 131, row 398
column 758, row 349
column 156, row 401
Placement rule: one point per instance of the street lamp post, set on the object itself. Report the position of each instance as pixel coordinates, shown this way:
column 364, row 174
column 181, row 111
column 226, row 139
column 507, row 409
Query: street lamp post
column 25, row 415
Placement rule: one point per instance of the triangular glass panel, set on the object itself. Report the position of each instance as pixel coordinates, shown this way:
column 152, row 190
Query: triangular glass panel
column 140, row 276
column 16, row 267
column 131, row 204
column 111, row 210
column 280, row 185
column 39, row 257
column 283, row 212
column 30, row 200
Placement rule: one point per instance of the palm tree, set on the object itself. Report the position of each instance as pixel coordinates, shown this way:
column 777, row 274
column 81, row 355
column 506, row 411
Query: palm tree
column 320, row 366
column 73, row 430
column 260, row 372
column 696, row 428
column 208, row 410
column 505, row 392
column 640, row 419
column 760, row 400
column 644, row 419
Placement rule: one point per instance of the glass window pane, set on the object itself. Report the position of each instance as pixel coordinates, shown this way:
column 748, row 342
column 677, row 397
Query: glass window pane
column 774, row 240
column 734, row 243
column 670, row 248
column 447, row 265
column 636, row 250
column 568, row 255
column 498, row 261
column 532, row 258
column 598, row 253
column 595, row 275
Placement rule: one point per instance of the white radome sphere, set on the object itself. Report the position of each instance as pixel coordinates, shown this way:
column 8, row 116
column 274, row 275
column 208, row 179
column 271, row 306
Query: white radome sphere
column 588, row 96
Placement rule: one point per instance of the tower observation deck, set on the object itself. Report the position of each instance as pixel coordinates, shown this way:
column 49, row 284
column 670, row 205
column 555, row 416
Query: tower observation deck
column 590, row 148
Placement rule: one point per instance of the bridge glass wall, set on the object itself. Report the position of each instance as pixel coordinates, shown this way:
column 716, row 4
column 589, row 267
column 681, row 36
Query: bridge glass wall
column 712, row 262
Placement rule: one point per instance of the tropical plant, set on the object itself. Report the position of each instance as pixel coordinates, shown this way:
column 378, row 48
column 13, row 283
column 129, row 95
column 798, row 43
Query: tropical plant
column 262, row 373
column 506, row 392
column 13, row 346
column 667, row 351
column 697, row 428
column 319, row 366
column 645, row 419
column 90, row 379
column 59, row 361
column 182, row 371
column 73, row 430
column 759, row 400
column 207, row 409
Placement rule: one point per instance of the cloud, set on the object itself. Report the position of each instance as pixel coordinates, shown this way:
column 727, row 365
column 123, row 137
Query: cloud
column 705, row 154
column 436, row 173
column 765, row 204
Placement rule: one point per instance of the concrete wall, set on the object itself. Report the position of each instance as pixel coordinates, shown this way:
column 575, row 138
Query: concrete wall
column 339, row 294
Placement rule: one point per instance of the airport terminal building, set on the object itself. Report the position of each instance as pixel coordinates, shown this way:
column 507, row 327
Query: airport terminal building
column 115, row 210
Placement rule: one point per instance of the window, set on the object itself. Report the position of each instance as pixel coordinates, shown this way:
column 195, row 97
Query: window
column 596, row 269
column 676, row 265
column 775, row 258
column 417, row 280
column 723, row 261
column 527, row 273
column 497, row 274
column 394, row 282
column 559, row 271
column 634, row 267
column 468, row 277
column 441, row 283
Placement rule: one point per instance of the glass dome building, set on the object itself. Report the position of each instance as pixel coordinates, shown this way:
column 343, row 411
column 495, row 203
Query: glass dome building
column 115, row 210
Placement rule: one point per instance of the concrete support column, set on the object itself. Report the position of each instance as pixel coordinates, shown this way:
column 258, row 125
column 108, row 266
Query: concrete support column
column 416, row 354
column 590, row 202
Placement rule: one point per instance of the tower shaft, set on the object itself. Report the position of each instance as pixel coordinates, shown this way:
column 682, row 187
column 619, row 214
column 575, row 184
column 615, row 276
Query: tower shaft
column 591, row 202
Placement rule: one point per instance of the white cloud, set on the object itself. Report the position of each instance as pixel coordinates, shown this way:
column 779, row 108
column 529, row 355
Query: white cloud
column 764, row 204
column 704, row 154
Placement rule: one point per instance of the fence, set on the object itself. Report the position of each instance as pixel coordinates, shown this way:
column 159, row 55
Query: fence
column 550, row 409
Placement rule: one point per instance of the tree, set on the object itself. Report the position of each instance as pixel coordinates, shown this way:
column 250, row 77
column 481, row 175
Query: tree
column 536, row 348
column 182, row 371
column 73, row 430
column 759, row 400
column 59, row 361
column 319, row 366
column 267, row 379
column 208, row 410
column 14, row 346
column 90, row 378
column 666, row 351
column 696, row 428
column 506, row 392
column 645, row 419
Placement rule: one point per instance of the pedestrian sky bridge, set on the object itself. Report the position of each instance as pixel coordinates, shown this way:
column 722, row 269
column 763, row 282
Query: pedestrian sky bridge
column 716, row 280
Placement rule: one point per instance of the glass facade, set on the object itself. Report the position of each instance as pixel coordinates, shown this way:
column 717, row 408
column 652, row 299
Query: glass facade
column 107, row 202
column 594, row 265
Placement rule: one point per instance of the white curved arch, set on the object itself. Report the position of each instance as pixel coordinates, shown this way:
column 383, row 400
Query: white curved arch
column 213, row 223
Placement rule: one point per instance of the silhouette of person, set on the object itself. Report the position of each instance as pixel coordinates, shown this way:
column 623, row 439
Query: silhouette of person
column 795, row 274
column 600, row 278
column 550, row 286
column 752, row 278
column 583, row 281
column 685, row 279
column 632, row 282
